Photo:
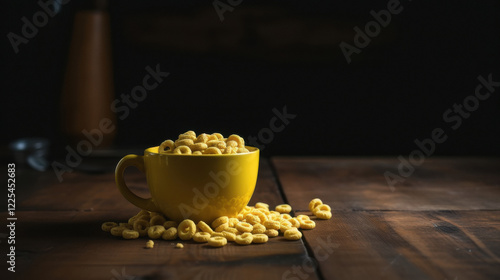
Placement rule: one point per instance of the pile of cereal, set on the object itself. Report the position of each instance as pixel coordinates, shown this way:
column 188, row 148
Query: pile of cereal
column 254, row 224
column 189, row 143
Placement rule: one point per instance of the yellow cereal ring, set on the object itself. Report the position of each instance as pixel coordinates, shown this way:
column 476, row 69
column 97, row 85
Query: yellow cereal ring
column 275, row 218
column 262, row 205
column 201, row 237
column 230, row 236
column 204, row 227
column 197, row 153
column 307, row 224
column 258, row 228
column 314, row 203
column 217, row 234
column 322, row 207
column 125, row 225
column 303, row 217
column 153, row 214
column 286, row 216
column 182, row 150
column 213, row 150
column 221, row 145
column 186, row 136
column 222, row 227
column 155, row 232
column 236, row 138
column 198, row 147
column 145, row 217
column 293, row 234
column 252, row 219
column 295, row 222
column 232, row 229
column 157, row 220
column 131, row 220
column 285, row 225
column 130, row 234
column 170, row 234
column 117, row 231
column 244, row 227
column 325, row 215
column 232, row 143
column 141, row 226
column 186, row 229
column 244, row 239
column 211, row 137
column 260, row 214
column 179, row 245
column 169, row 224
column 283, row 208
column 240, row 217
column 166, row 144
column 184, row 142
column 142, row 212
column 264, row 211
column 218, row 135
column 242, row 150
column 233, row 221
column 107, row 226
column 150, row 244
column 202, row 138
column 271, row 232
column 259, row 238
column 270, row 224
column 190, row 132
column 230, row 150
column 217, row 241
column 275, row 213
column 219, row 221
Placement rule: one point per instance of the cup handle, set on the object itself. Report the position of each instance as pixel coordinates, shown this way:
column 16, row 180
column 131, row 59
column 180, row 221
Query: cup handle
column 138, row 162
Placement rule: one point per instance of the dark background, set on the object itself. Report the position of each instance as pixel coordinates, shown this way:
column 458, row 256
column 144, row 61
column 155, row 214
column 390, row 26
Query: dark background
column 228, row 76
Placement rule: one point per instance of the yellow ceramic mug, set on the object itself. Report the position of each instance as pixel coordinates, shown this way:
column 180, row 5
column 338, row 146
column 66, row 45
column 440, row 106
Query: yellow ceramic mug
column 196, row 187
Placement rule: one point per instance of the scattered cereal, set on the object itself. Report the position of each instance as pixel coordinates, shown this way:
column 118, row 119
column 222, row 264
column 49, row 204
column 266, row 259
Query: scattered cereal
column 186, row 229
column 254, row 224
column 107, row 226
column 284, row 208
column 130, row 234
column 217, row 241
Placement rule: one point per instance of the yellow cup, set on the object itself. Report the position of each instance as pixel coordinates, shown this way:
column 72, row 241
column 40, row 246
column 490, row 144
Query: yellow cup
column 196, row 187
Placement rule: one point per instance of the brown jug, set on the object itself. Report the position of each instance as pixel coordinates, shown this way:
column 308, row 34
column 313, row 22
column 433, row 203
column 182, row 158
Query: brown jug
column 88, row 89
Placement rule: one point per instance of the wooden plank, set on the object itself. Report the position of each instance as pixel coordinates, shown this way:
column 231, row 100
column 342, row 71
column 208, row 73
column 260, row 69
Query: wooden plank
column 359, row 183
column 59, row 237
column 407, row 245
column 443, row 223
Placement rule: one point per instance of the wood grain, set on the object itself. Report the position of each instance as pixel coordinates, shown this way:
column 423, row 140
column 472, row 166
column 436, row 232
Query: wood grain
column 359, row 183
column 443, row 223
column 59, row 237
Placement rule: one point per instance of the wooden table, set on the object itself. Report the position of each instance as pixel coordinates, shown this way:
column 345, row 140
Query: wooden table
column 442, row 222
